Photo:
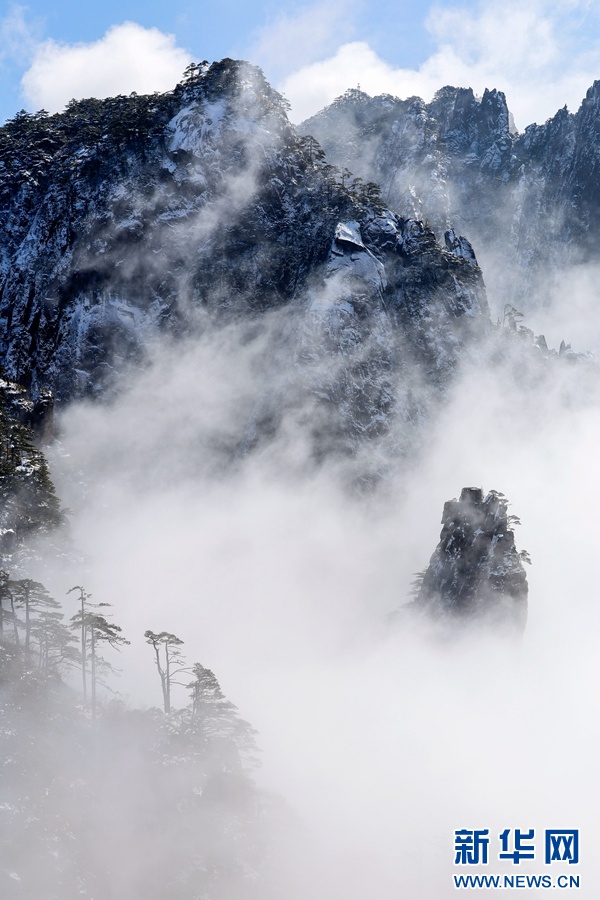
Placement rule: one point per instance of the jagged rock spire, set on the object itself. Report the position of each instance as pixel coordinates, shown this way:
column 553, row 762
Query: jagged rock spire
column 476, row 574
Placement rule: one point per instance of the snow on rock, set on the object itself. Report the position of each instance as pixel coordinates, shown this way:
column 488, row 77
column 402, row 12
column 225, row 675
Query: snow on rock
column 476, row 575
column 529, row 201
column 195, row 125
column 350, row 259
column 460, row 246
column 155, row 213
column 349, row 232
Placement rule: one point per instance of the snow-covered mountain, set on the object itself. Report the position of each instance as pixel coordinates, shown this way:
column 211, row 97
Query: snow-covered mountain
column 528, row 201
column 263, row 321
column 136, row 216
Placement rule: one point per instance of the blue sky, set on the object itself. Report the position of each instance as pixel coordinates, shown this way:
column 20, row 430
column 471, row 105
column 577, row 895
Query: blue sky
column 542, row 54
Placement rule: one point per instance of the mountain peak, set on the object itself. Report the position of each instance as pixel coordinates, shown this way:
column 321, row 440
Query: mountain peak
column 476, row 575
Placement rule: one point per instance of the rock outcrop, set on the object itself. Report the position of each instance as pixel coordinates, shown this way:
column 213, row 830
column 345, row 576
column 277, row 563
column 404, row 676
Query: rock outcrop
column 131, row 217
column 529, row 202
column 476, row 575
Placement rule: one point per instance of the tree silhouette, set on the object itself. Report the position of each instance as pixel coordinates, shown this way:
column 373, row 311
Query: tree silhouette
column 311, row 149
column 54, row 640
column 32, row 596
column 94, row 629
column 79, row 622
column 223, row 731
column 169, row 659
column 4, row 592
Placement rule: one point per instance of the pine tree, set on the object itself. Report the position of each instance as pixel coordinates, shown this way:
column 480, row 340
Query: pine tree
column 94, row 629
column 79, row 622
column 311, row 149
column 101, row 632
column 33, row 597
column 54, row 641
column 4, row 591
column 169, row 659
column 224, row 732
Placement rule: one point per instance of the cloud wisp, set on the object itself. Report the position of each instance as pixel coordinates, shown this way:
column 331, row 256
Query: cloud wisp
column 291, row 41
column 19, row 35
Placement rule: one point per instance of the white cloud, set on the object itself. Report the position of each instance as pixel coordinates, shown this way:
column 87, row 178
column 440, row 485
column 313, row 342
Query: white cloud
column 127, row 58
column 538, row 52
column 316, row 85
column 17, row 34
column 295, row 40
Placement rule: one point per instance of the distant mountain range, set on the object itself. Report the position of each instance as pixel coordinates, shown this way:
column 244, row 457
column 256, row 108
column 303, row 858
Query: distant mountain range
column 530, row 202
column 204, row 208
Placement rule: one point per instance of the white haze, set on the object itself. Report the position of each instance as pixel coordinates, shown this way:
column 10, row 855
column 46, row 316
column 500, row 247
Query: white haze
column 280, row 583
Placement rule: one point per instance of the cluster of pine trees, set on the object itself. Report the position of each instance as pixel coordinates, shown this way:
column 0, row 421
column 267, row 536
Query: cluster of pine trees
column 79, row 766
column 99, row 799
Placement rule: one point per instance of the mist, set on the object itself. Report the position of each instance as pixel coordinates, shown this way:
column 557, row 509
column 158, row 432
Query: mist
column 205, row 501
column 280, row 580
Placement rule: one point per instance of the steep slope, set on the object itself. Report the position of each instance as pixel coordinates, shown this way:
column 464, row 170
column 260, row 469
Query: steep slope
column 528, row 201
column 476, row 575
column 174, row 213
column 29, row 506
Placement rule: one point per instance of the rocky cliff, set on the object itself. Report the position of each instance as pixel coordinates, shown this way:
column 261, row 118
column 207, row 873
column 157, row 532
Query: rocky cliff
column 177, row 213
column 529, row 202
column 476, row 575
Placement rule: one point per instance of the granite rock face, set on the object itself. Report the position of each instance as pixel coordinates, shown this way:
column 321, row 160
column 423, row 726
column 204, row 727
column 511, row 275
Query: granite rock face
column 134, row 217
column 476, row 574
column 528, row 201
